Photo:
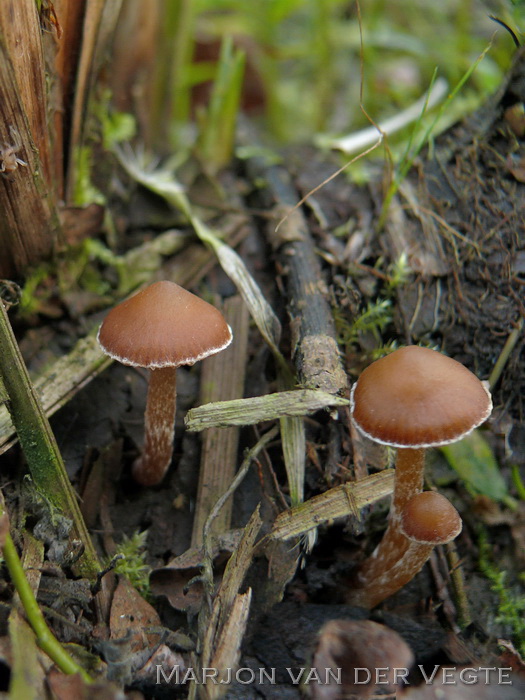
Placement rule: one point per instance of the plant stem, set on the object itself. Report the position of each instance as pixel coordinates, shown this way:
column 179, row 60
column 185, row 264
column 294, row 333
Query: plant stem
column 458, row 585
column 517, row 481
column 38, row 443
column 45, row 638
column 217, row 132
column 505, row 354
column 181, row 17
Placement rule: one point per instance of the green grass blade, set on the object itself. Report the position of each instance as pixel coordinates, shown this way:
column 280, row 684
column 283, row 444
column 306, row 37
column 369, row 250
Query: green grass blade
column 217, row 125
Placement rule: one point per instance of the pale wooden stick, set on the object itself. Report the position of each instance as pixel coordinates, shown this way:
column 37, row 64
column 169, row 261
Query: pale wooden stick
column 222, row 378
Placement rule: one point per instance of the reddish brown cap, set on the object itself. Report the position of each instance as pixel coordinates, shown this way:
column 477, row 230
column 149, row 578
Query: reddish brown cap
column 416, row 397
column 430, row 518
column 163, row 326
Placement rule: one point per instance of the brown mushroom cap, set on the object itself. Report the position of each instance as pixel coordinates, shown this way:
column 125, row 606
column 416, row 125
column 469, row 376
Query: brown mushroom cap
column 416, row 397
column 430, row 518
column 163, row 326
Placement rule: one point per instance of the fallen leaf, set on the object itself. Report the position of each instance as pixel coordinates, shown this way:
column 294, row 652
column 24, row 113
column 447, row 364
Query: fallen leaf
column 132, row 615
column 172, row 580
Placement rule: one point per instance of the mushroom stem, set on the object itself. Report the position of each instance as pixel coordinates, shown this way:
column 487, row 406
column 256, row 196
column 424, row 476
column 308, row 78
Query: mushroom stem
column 410, row 466
column 427, row 519
column 391, row 580
column 150, row 467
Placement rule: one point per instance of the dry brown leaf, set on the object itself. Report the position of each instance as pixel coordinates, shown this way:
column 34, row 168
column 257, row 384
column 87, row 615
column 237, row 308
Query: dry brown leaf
column 171, row 580
column 74, row 688
column 130, row 613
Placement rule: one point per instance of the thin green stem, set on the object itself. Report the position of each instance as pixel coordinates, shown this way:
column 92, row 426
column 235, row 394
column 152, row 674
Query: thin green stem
column 183, row 42
column 517, row 481
column 217, row 132
column 45, row 638
column 505, row 353
column 38, row 443
column 458, row 584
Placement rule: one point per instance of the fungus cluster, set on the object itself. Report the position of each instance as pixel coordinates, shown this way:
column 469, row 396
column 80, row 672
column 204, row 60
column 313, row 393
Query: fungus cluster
column 412, row 399
column 161, row 328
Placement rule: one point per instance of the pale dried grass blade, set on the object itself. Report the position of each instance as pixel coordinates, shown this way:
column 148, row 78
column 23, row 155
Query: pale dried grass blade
column 222, row 631
column 237, row 568
column 293, row 438
column 227, row 655
column 341, row 501
column 300, row 402
column 260, row 310
column 366, row 137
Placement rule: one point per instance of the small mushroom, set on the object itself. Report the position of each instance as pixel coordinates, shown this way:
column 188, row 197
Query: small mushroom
column 161, row 328
column 363, row 654
column 412, row 399
column 427, row 520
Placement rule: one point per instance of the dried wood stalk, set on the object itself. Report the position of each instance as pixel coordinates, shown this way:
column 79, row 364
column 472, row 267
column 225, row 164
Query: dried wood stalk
column 228, row 652
column 222, row 378
column 314, row 346
column 339, row 502
column 22, row 35
column 29, row 223
column 315, row 349
column 221, row 631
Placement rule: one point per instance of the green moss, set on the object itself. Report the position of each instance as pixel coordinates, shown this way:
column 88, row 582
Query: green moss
column 372, row 321
column 133, row 562
column 511, row 606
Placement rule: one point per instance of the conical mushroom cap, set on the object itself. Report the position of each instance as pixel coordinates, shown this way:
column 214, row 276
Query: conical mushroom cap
column 416, row 397
column 164, row 325
column 430, row 518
